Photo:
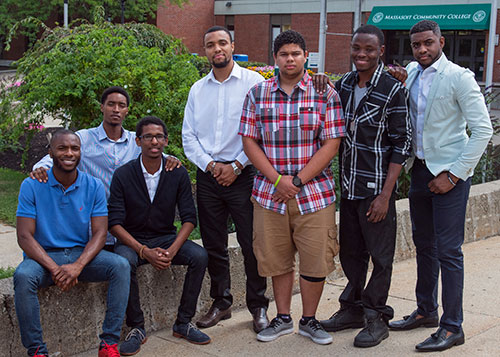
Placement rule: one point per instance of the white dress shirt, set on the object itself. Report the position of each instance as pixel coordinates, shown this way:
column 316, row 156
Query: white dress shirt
column 418, row 102
column 212, row 117
column 151, row 179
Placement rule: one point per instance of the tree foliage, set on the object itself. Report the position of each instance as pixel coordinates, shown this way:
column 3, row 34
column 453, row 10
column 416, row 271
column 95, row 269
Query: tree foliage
column 66, row 71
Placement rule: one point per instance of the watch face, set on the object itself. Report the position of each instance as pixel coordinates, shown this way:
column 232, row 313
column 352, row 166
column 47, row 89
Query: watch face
column 236, row 169
column 296, row 181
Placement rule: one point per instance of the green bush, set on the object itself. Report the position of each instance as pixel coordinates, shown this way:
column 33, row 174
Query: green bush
column 68, row 69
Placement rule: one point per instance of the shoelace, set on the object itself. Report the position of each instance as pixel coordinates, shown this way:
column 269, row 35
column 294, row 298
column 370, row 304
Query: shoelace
column 338, row 313
column 36, row 353
column 135, row 333
column 315, row 325
column 111, row 349
column 190, row 327
column 275, row 323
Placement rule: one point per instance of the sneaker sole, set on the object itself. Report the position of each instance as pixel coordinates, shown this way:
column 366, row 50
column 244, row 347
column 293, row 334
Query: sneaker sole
column 325, row 341
column 344, row 327
column 178, row 335
column 274, row 337
column 133, row 353
column 372, row 343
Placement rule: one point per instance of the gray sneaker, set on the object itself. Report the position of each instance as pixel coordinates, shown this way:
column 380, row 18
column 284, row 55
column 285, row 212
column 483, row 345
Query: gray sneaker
column 315, row 332
column 276, row 328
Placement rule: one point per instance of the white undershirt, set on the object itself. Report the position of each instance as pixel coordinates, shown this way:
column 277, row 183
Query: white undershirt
column 151, row 180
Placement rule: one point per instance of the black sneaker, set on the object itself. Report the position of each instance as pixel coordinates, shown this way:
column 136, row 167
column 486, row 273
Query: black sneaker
column 343, row 319
column 375, row 331
column 132, row 344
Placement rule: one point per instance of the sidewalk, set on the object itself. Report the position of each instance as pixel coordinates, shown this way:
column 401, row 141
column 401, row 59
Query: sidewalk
column 481, row 315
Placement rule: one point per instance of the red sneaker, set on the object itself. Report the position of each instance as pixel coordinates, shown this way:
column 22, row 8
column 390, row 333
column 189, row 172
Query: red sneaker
column 106, row 350
column 39, row 355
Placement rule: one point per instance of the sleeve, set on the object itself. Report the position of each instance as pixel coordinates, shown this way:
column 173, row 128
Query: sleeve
column 185, row 203
column 116, row 201
column 26, row 206
column 473, row 107
column 190, row 143
column 100, row 208
column 334, row 126
column 45, row 162
column 248, row 121
column 399, row 125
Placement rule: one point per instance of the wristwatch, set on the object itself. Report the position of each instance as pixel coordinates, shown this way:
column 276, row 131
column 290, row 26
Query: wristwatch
column 297, row 182
column 236, row 169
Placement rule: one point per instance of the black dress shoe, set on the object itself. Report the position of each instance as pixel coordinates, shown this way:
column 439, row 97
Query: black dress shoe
column 375, row 332
column 213, row 316
column 343, row 319
column 439, row 342
column 410, row 322
column 260, row 320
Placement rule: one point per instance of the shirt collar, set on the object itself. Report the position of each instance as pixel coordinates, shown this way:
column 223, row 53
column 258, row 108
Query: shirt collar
column 235, row 72
column 372, row 83
column 433, row 66
column 52, row 181
column 103, row 136
column 145, row 172
column 302, row 84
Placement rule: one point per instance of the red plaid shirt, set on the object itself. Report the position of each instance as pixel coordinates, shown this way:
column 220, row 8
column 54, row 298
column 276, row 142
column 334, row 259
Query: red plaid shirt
column 289, row 130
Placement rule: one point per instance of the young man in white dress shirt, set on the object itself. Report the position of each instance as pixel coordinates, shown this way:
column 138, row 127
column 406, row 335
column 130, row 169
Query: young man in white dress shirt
column 224, row 177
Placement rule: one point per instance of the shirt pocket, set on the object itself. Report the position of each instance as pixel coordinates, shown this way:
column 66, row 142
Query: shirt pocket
column 369, row 114
column 309, row 118
column 270, row 119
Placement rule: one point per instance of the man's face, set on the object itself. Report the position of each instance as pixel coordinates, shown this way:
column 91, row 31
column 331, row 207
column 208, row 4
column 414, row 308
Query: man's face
column 366, row 51
column 427, row 47
column 65, row 152
column 218, row 49
column 291, row 59
column 114, row 109
column 152, row 141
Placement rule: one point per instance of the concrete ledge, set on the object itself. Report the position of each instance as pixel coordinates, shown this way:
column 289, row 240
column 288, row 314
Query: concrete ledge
column 72, row 321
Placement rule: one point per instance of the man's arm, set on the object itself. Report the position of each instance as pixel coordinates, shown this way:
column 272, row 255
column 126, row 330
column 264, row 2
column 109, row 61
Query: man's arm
column 320, row 159
column 380, row 205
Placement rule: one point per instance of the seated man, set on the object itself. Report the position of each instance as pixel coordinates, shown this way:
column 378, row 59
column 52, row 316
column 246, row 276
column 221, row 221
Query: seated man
column 141, row 216
column 52, row 229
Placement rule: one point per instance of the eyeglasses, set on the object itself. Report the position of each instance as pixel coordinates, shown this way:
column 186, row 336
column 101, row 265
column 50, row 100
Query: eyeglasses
column 149, row 137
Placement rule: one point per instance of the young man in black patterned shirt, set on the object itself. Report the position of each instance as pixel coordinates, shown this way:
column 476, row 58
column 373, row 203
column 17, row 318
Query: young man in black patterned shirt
column 377, row 142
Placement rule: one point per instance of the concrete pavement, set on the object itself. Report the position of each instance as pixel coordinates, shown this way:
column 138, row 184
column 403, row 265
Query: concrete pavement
column 481, row 319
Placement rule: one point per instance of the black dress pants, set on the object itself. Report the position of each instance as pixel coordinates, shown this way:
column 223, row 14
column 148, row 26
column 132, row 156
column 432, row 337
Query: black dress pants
column 361, row 240
column 215, row 203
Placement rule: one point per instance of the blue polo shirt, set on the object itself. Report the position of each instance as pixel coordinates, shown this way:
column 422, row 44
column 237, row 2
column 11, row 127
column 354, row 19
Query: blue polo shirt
column 62, row 216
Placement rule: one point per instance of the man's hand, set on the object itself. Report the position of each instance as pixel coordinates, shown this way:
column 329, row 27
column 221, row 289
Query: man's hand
column 285, row 190
column 378, row 209
column 224, row 174
column 157, row 257
column 67, row 276
column 441, row 184
column 398, row 72
column 172, row 163
column 39, row 174
column 321, row 82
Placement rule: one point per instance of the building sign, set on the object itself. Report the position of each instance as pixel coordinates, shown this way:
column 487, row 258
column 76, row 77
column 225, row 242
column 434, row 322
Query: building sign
column 313, row 60
column 449, row 17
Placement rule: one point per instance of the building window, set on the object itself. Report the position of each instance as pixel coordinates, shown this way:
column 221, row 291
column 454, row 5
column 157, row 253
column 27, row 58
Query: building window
column 229, row 23
column 279, row 23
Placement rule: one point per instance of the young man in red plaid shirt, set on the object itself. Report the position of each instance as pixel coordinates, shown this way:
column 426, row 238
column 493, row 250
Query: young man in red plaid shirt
column 291, row 133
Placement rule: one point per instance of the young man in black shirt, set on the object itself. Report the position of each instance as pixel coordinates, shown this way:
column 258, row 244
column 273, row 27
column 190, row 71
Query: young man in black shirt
column 141, row 208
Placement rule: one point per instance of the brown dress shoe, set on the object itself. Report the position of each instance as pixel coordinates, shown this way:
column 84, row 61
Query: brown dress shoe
column 213, row 316
column 260, row 320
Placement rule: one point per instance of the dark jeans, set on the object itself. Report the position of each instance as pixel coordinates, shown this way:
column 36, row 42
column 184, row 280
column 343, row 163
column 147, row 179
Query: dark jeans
column 360, row 240
column 438, row 233
column 215, row 203
column 31, row 276
column 190, row 254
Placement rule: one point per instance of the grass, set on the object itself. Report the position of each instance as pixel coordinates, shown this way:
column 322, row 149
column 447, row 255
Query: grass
column 10, row 181
column 6, row 272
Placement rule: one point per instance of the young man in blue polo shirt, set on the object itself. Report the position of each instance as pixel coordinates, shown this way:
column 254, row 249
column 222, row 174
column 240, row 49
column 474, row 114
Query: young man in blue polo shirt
column 52, row 229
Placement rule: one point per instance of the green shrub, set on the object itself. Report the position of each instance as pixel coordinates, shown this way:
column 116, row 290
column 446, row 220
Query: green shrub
column 7, row 272
column 68, row 69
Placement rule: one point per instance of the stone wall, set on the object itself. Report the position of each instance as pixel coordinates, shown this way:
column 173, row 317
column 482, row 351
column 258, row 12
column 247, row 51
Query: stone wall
column 71, row 321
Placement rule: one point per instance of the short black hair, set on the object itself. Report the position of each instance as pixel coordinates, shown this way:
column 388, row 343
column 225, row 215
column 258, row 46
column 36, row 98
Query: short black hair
column 215, row 29
column 426, row 25
column 61, row 132
column 147, row 121
column 371, row 30
column 114, row 89
column 287, row 37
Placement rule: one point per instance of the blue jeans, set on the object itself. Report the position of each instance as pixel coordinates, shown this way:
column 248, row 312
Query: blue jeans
column 30, row 276
column 438, row 233
column 190, row 254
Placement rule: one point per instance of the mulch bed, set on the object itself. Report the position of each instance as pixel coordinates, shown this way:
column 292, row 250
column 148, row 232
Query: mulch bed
column 39, row 148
